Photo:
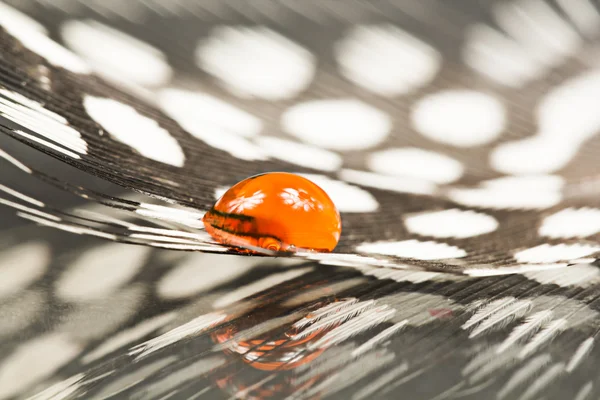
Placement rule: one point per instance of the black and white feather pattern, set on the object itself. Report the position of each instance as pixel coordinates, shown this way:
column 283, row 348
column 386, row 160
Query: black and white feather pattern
column 457, row 140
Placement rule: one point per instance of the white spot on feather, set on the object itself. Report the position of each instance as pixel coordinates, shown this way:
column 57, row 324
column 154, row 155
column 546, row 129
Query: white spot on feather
column 542, row 183
column 216, row 123
column 582, row 275
column 256, row 62
column 386, row 60
column 539, row 29
column 343, row 124
column 33, row 36
column 386, row 182
column 33, row 116
column 459, row 118
column 300, row 154
column 141, row 133
column 412, row 162
column 498, row 57
column 12, row 19
column 193, row 219
column 571, row 222
column 198, row 112
column 567, row 118
column 513, row 269
column 451, row 223
column 347, row 198
column 547, row 253
column 495, row 197
column 116, row 55
column 413, row 249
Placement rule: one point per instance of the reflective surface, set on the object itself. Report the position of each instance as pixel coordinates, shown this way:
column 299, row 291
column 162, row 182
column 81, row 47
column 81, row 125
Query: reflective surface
column 83, row 318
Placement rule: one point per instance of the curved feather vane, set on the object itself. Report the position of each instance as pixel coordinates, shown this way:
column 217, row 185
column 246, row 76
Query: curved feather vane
column 458, row 140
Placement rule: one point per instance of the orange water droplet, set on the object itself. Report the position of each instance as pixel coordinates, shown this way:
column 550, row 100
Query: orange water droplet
column 277, row 211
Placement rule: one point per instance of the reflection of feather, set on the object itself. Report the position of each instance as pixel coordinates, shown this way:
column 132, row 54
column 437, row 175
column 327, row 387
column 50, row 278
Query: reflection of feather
column 62, row 389
column 502, row 317
column 380, row 337
column 524, row 373
column 363, row 322
column 487, row 310
column 527, row 328
column 585, row 391
column 544, row 380
column 493, row 366
column 351, row 373
column 346, row 314
column 324, row 312
column 381, row 381
column 482, row 356
column 550, row 330
column 188, row 329
column 583, row 350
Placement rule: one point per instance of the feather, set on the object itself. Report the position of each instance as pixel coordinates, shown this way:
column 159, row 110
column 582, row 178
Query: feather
column 582, row 351
column 524, row 373
column 514, row 310
column 549, row 331
column 527, row 328
column 487, row 310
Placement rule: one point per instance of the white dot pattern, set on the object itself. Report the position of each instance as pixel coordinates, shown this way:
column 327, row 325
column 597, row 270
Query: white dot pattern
column 571, row 223
column 459, row 118
column 413, row 249
column 416, row 163
column 566, row 119
column 452, row 223
column 551, row 253
column 410, row 141
column 256, row 62
column 376, row 106
column 115, row 55
column 337, row 124
column 130, row 127
column 300, row 154
column 386, row 60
